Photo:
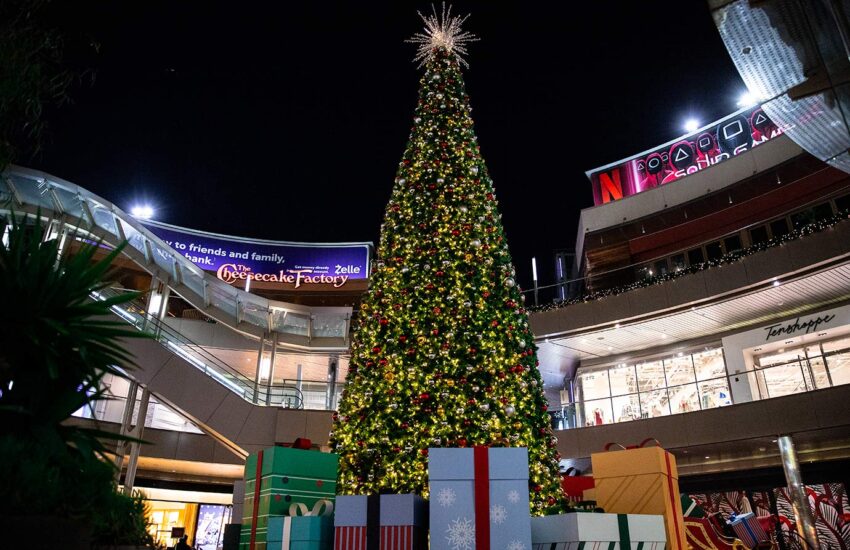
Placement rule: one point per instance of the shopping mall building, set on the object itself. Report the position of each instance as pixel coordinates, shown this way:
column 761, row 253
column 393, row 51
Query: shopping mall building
column 708, row 307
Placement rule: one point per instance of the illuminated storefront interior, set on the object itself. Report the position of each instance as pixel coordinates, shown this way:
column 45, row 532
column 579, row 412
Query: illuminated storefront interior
column 683, row 382
column 201, row 516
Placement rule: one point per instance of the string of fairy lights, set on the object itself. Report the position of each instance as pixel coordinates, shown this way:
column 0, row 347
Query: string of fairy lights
column 728, row 258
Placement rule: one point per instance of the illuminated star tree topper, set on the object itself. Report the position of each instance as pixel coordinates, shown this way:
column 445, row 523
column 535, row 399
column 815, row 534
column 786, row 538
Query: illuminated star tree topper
column 442, row 31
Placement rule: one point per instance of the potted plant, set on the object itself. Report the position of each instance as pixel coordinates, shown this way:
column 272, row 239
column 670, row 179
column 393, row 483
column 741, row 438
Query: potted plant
column 56, row 344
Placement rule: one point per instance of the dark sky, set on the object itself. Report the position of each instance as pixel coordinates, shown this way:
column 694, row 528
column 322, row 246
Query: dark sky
column 286, row 120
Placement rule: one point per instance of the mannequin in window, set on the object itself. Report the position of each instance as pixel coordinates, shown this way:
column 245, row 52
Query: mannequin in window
column 597, row 417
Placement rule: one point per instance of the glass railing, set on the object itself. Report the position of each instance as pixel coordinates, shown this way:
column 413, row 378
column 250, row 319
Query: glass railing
column 275, row 395
column 318, row 394
column 30, row 191
column 642, row 274
column 769, row 382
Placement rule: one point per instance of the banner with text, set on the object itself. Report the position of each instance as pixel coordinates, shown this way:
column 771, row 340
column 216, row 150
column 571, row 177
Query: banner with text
column 234, row 259
column 672, row 161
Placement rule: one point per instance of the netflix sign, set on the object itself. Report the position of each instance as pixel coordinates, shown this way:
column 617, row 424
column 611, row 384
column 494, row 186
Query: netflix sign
column 731, row 136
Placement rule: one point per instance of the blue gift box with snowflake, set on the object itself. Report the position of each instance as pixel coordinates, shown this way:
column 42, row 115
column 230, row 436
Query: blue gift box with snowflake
column 479, row 499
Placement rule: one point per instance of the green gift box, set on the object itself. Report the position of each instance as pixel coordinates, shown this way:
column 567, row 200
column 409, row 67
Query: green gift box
column 305, row 533
column 276, row 478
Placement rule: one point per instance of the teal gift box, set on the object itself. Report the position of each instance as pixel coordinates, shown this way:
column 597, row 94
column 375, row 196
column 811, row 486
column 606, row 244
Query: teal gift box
column 304, row 533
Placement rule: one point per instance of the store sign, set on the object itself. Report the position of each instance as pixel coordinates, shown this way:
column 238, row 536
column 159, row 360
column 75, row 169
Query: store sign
column 673, row 161
column 235, row 259
column 806, row 326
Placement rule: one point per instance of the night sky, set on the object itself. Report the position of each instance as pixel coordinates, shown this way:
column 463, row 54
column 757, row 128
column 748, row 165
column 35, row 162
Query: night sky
column 287, row 120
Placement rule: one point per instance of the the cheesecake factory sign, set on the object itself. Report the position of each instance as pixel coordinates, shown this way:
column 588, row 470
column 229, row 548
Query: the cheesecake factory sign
column 237, row 261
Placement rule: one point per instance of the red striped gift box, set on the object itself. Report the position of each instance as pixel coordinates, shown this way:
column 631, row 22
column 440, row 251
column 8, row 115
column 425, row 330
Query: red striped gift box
column 393, row 537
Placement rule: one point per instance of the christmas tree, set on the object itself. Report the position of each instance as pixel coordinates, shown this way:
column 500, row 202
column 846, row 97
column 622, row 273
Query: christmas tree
column 442, row 355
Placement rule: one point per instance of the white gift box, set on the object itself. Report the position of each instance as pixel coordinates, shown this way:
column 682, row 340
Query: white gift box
column 592, row 531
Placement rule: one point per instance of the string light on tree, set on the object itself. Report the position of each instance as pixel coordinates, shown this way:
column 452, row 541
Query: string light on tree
column 442, row 354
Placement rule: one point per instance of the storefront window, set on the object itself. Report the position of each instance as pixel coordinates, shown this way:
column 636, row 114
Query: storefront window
column 626, row 408
column 623, row 380
column 670, row 385
column 597, row 412
column 594, row 385
column 714, row 393
column 784, row 379
column 679, row 370
column 683, row 399
column 839, row 368
column 709, row 364
column 651, row 375
column 655, row 403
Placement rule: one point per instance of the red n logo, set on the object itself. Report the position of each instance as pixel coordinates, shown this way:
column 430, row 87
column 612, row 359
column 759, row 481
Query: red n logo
column 609, row 186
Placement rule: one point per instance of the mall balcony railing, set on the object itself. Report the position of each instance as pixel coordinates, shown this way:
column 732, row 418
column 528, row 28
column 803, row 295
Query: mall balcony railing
column 276, row 395
column 804, row 374
column 58, row 201
column 642, row 274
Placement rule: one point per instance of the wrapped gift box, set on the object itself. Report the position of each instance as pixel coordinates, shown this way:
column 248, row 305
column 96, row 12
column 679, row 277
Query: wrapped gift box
column 385, row 522
column 748, row 529
column 641, row 481
column 300, row 533
column 609, row 531
column 479, row 498
column 277, row 477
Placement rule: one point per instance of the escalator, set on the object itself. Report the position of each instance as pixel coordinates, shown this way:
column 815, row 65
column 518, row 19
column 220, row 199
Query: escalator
column 237, row 411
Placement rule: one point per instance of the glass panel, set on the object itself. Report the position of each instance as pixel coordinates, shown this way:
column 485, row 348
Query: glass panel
column 817, row 376
column 836, row 345
column 779, row 228
column 839, row 368
column 713, row 250
column 331, row 325
column 654, row 403
column 732, row 243
column 623, row 380
column 644, row 272
column 714, row 393
column 103, row 218
column 843, row 203
column 597, row 412
column 684, row 398
column 822, row 211
column 709, row 364
column 661, row 267
column 784, row 380
column 651, row 376
column 679, row 370
column 593, row 384
column 678, row 262
column 626, row 408
column 758, row 235
column 800, row 219
column 695, row 256
column 781, row 357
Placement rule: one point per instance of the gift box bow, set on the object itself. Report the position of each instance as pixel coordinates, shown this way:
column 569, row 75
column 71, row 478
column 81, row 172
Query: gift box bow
column 640, row 445
column 322, row 507
column 298, row 509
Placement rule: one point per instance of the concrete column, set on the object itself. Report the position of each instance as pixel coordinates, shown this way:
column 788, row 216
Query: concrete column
column 152, row 291
column 799, row 500
column 333, row 369
column 259, row 367
column 135, row 447
column 271, row 369
column 238, row 501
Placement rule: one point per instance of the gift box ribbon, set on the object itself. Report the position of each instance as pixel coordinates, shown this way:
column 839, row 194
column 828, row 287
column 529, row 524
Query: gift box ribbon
column 258, row 481
column 299, row 509
column 481, row 462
